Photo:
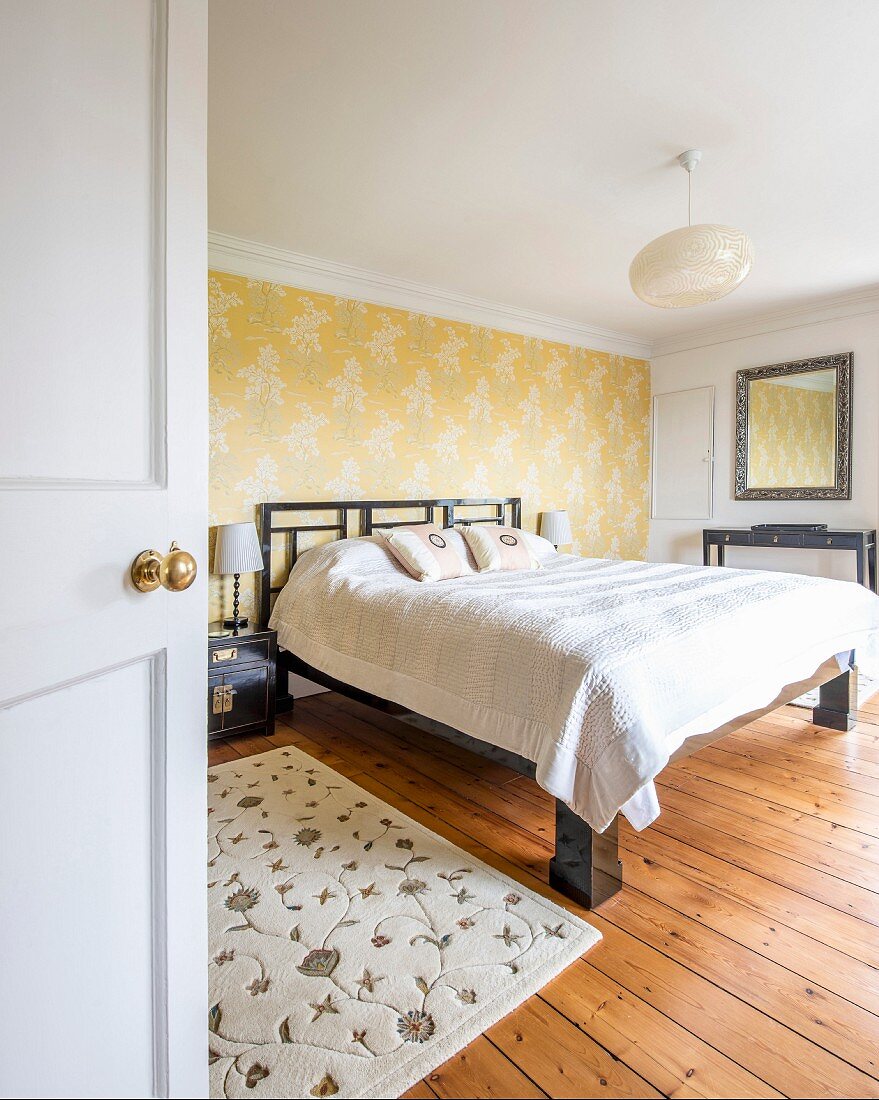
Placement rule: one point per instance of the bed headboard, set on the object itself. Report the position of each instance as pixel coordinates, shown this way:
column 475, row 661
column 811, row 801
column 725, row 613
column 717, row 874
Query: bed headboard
column 350, row 518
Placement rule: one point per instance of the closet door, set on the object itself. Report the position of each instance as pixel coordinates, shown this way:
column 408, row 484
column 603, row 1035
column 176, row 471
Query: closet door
column 102, row 455
column 683, row 454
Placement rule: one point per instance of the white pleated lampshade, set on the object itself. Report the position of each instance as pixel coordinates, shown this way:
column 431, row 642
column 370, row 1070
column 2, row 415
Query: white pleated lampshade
column 556, row 527
column 237, row 549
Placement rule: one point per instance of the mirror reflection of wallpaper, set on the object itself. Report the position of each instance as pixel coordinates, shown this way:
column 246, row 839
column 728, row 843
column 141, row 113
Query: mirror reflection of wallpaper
column 791, row 436
column 314, row 397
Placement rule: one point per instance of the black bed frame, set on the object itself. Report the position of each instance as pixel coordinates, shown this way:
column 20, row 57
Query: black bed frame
column 586, row 865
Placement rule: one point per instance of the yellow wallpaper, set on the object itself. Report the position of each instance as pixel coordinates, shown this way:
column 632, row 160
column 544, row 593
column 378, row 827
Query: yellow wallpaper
column 791, row 436
column 314, row 397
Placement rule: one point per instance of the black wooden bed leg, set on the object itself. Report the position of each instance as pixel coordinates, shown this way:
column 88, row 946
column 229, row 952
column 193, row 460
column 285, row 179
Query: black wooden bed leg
column 586, row 866
column 283, row 698
column 838, row 700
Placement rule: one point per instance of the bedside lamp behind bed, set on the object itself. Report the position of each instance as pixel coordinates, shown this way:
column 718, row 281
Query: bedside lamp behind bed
column 556, row 527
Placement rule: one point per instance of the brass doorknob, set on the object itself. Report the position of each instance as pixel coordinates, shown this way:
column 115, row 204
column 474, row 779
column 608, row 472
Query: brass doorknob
column 175, row 571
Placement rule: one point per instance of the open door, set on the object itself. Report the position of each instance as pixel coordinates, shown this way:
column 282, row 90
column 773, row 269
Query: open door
column 103, row 453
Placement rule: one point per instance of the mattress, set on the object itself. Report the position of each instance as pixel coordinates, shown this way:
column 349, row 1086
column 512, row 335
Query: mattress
column 596, row 670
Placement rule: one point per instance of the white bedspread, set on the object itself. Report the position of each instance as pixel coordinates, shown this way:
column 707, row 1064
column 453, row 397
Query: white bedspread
column 595, row 670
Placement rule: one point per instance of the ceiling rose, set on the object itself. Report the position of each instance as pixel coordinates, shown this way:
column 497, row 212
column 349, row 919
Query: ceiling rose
column 694, row 264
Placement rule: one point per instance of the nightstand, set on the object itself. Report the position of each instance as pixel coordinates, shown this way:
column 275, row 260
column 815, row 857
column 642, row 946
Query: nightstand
column 241, row 682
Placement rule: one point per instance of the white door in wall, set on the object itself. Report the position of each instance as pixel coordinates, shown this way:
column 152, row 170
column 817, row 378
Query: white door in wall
column 683, row 454
column 102, row 454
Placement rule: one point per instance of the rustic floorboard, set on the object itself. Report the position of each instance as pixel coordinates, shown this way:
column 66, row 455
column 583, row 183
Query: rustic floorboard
column 741, row 957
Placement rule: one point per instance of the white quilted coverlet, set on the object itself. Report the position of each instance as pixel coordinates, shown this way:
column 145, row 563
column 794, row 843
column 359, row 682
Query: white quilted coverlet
column 595, row 670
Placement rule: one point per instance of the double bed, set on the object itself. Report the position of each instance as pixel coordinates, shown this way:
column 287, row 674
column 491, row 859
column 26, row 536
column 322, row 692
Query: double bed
column 589, row 674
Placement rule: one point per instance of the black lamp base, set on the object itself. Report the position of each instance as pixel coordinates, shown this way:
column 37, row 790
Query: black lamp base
column 236, row 621
column 230, row 624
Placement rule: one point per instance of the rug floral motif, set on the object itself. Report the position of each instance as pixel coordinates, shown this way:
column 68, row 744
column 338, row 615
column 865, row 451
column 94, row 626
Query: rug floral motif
column 352, row 951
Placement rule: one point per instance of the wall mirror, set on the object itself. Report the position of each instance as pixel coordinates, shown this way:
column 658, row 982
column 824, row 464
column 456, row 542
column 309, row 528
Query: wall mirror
column 793, row 430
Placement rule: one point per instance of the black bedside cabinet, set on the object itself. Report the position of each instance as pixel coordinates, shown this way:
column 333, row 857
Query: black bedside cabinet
column 241, row 682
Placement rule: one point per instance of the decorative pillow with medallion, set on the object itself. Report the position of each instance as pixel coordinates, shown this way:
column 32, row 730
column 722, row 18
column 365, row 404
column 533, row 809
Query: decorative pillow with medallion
column 425, row 552
column 497, row 548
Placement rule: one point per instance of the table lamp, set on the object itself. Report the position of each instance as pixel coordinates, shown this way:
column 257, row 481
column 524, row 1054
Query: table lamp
column 237, row 551
column 556, row 527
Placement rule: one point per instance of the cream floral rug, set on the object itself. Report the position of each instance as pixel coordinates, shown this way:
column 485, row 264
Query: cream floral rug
column 352, row 950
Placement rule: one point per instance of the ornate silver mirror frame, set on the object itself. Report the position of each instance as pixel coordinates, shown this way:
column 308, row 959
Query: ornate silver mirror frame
column 842, row 488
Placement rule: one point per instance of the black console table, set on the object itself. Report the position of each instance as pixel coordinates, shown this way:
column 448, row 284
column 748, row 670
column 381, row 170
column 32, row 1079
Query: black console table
column 862, row 542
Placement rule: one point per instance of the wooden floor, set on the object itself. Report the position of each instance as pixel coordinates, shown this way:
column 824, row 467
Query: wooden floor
column 740, row 959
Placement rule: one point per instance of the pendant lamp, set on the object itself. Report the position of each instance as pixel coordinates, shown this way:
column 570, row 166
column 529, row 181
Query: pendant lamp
column 694, row 264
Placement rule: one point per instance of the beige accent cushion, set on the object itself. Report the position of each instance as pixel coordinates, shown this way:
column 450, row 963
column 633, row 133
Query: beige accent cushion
column 425, row 553
column 499, row 548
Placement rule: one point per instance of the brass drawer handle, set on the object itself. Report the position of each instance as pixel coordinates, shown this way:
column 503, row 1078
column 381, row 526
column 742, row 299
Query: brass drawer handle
column 229, row 692
column 830, row 542
column 775, row 538
column 726, row 538
column 224, row 655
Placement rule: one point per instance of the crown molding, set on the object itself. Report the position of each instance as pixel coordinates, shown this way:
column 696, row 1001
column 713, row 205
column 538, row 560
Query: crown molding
column 814, row 313
column 238, row 256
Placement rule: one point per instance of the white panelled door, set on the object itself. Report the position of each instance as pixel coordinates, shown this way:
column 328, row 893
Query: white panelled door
column 103, row 453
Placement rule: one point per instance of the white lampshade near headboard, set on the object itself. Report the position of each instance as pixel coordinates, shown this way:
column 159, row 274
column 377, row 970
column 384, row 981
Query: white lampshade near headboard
column 556, row 527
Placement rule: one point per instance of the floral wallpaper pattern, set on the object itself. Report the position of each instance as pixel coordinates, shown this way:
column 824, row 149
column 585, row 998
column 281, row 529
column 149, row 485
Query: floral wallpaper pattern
column 791, row 436
column 352, row 950
column 318, row 397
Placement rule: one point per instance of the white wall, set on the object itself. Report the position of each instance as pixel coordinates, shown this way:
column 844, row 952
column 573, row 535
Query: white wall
column 715, row 365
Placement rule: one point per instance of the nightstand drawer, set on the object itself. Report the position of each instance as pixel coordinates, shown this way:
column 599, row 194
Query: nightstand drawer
column 237, row 699
column 231, row 652
column 777, row 538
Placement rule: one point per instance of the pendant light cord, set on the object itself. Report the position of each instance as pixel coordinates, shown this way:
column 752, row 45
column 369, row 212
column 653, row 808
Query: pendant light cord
column 689, row 198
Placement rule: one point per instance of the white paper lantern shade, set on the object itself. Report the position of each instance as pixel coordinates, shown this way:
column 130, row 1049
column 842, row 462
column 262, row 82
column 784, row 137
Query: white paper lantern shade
column 691, row 266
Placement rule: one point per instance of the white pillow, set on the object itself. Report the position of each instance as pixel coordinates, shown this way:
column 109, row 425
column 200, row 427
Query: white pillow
column 541, row 547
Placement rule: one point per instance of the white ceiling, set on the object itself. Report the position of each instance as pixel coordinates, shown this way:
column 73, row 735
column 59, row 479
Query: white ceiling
column 522, row 151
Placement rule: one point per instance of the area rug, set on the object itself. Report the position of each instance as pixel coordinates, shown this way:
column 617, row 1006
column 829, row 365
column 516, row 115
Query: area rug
column 352, row 951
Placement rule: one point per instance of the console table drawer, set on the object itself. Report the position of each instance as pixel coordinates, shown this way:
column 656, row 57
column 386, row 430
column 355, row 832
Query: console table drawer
column 733, row 538
column 821, row 540
column 777, row 538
